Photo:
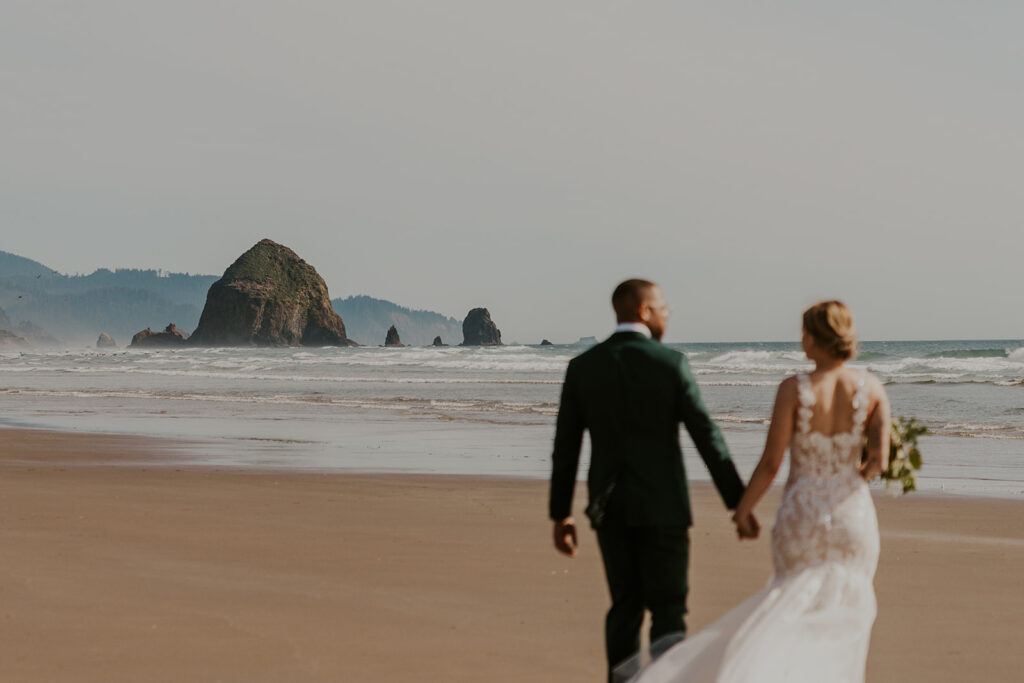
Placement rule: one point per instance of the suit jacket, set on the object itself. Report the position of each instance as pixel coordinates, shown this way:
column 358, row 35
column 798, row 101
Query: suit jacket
column 631, row 393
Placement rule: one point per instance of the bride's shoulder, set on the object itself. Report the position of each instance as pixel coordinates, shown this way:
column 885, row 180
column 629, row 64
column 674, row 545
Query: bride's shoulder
column 788, row 387
column 857, row 375
column 875, row 385
column 862, row 377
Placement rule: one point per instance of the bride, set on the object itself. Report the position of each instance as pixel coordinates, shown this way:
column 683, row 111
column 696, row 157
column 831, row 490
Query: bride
column 813, row 621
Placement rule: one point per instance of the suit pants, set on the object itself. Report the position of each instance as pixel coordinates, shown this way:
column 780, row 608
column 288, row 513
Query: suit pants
column 646, row 568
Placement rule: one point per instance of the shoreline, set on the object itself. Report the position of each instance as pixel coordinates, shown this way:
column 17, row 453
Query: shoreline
column 222, row 452
column 115, row 570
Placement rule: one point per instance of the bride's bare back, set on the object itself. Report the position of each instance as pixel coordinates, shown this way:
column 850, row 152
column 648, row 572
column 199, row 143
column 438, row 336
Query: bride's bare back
column 834, row 397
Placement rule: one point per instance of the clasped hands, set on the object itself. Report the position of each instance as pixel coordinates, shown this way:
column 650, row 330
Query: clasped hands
column 747, row 526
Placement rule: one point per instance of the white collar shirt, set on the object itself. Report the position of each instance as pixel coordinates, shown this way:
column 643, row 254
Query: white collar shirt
column 633, row 327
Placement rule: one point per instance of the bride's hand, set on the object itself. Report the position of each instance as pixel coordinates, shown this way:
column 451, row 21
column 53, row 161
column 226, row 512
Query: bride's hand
column 746, row 526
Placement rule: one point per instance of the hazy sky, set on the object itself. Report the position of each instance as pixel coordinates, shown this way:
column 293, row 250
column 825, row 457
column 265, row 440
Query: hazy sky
column 526, row 156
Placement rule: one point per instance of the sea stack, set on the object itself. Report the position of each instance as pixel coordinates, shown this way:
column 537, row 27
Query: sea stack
column 479, row 330
column 105, row 342
column 392, row 337
column 171, row 336
column 270, row 297
column 438, row 342
column 545, row 342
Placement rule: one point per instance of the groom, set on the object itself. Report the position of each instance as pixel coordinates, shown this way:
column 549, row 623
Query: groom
column 631, row 393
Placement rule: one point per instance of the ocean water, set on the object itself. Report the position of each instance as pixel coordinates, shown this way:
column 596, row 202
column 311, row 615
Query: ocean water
column 489, row 410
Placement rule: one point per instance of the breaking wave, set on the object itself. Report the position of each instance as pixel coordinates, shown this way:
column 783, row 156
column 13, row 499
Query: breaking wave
column 970, row 353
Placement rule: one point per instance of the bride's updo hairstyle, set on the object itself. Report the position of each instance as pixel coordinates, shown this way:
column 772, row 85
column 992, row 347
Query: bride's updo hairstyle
column 830, row 324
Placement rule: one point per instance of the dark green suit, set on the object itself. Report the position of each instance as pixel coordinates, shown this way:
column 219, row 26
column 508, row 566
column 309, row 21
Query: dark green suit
column 631, row 393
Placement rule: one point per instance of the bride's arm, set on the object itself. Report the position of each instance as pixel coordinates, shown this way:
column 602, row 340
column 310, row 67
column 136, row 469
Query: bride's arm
column 779, row 434
column 879, row 425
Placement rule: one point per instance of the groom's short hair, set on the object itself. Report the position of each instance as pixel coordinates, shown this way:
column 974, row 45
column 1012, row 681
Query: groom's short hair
column 628, row 296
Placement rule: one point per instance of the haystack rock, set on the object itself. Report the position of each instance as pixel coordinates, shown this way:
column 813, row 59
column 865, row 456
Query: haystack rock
column 392, row 337
column 438, row 342
column 105, row 341
column 171, row 336
column 270, row 297
column 545, row 342
column 479, row 330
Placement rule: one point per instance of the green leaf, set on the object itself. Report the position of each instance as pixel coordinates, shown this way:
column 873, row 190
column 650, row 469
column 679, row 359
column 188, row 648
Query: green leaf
column 915, row 458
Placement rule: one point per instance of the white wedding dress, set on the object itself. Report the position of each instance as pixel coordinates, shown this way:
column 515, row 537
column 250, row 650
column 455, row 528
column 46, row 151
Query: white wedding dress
column 813, row 621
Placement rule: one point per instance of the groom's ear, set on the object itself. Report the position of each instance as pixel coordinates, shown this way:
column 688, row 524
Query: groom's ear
column 643, row 311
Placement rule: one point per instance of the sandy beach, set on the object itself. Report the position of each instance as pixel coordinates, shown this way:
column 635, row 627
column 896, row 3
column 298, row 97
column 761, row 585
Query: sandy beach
column 116, row 571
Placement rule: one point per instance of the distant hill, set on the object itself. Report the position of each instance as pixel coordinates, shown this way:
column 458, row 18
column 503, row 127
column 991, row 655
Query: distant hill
column 76, row 308
column 12, row 265
column 367, row 321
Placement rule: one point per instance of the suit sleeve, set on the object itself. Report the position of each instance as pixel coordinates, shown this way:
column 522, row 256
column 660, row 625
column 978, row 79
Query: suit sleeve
column 708, row 438
column 566, row 456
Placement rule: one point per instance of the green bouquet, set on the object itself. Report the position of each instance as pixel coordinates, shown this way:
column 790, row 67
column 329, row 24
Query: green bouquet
column 904, row 455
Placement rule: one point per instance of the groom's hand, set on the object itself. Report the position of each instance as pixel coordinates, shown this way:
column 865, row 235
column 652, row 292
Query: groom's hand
column 565, row 536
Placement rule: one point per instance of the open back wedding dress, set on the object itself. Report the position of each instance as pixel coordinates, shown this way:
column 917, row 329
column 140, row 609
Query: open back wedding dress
column 813, row 621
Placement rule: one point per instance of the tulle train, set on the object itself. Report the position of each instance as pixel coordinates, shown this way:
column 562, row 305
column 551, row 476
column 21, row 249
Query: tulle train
column 811, row 626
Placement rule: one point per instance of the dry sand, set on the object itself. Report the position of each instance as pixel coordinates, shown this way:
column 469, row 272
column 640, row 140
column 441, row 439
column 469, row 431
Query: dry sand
column 115, row 571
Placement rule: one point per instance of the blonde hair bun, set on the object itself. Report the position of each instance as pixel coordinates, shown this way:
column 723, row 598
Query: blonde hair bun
column 830, row 324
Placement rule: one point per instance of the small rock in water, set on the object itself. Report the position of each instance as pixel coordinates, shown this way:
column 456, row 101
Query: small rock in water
column 171, row 336
column 392, row 337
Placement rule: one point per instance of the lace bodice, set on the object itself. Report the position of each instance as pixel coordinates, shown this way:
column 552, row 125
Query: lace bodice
column 827, row 513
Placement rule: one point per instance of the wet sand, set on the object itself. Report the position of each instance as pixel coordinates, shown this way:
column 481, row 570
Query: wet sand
column 112, row 570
